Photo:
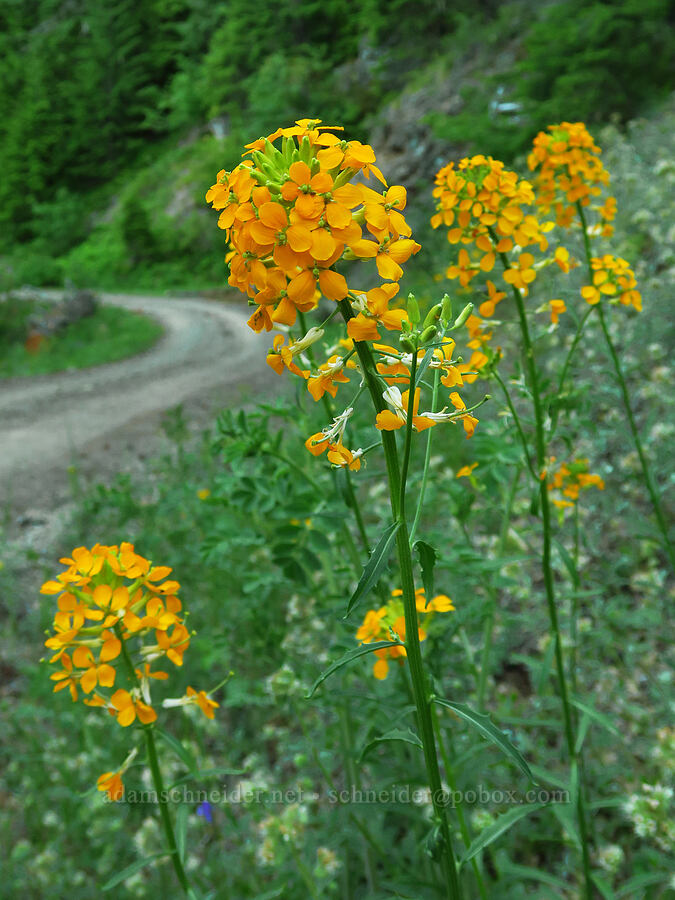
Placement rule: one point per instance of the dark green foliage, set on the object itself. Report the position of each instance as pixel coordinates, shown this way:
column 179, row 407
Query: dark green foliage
column 571, row 60
column 91, row 92
column 587, row 61
column 137, row 232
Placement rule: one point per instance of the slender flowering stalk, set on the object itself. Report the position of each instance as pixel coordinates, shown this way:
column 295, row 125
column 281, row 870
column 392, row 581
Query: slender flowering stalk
column 292, row 214
column 570, row 178
column 117, row 614
column 420, row 686
column 485, row 207
column 540, row 446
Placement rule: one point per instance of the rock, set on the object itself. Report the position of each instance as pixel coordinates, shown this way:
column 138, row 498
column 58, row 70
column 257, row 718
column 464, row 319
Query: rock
column 74, row 306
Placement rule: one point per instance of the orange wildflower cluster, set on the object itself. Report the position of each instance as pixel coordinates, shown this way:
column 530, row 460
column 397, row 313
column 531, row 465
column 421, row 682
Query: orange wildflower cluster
column 115, row 609
column 292, row 214
column 613, row 278
column 484, row 205
column 569, row 479
column 569, row 170
column 378, row 624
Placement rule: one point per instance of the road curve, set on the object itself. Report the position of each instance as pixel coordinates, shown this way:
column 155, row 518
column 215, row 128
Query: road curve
column 48, row 422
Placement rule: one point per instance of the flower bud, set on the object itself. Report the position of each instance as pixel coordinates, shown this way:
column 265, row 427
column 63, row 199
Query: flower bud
column 433, row 315
column 413, row 309
column 446, row 310
column 463, row 316
column 428, row 333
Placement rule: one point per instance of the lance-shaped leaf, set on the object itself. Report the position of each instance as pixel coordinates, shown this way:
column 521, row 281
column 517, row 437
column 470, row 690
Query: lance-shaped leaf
column 428, row 557
column 489, row 731
column 181, row 752
column 502, row 824
column 133, row 868
column 361, row 650
column 523, row 873
column 598, row 717
column 375, row 566
column 396, row 734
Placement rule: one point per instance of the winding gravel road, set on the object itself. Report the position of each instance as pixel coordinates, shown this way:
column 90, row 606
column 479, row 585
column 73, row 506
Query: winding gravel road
column 92, row 418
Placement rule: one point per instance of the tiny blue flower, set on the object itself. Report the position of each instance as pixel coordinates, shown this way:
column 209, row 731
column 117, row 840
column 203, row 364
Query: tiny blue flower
column 205, row 809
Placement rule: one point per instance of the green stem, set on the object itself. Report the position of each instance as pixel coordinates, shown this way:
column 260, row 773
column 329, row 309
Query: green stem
column 305, row 874
column 660, row 518
column 355, row 820
column 427, row 458
column 157, row 779
column 568, row 360
column 452, row 784
column 488, row 628
column 540, row 443
column 519, row 427
column 574, row 606
column 412, row 642
column 353, row 780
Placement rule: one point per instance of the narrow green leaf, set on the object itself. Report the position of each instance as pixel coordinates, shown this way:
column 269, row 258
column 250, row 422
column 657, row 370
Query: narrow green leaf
column 598, row 717
column 424, row 365
column 375, row 566
column 565, row 814
column 604, row 888
column 361, row 650
column 492, row 832
column 181, row 829
column 567, row 560
column 551, row 777
column 488, row 730
column 521, row 872
column 640, row 881
column 396, row 734
column 271, row 895
column 610, row 803
column 181, row 752
column 428, row 557
column 132, row 869
column 582, row 731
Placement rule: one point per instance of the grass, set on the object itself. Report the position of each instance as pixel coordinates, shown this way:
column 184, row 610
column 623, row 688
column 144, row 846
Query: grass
column 110, row 334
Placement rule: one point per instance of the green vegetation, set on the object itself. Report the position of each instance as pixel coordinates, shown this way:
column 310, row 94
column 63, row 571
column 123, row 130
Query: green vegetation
column 322, row 794
column 108, row 335
column 104, row 147
column 250, row 527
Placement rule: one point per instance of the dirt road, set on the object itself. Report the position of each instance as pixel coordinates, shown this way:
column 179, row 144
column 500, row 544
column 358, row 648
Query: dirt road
column 95, row 419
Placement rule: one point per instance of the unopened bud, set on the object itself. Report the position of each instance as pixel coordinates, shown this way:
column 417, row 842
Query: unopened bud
column 428, row 333
column 413, row 309
column 433, row 315
column 446, row 310
column 463, row 316
column 408, row 343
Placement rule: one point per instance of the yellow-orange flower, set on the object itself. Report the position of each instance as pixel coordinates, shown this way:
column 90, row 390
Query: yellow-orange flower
column 568, row 479
column 466, row 471
column 613, row 278
column 378, row 625
column 522, row 274
column 557, row 308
